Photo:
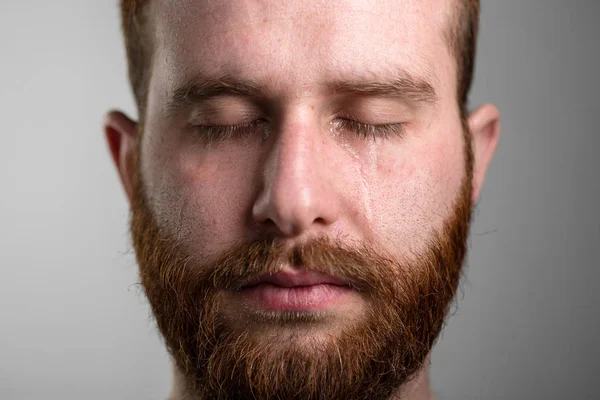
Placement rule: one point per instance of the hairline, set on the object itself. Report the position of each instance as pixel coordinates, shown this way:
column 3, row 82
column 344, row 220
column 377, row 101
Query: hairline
column 140, row 18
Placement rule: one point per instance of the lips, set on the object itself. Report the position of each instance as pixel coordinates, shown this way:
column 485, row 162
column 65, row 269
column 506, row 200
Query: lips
column 295, row 290
column 290, row 278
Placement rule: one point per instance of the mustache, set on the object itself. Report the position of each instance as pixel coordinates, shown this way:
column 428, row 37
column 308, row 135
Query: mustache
column 363, row 267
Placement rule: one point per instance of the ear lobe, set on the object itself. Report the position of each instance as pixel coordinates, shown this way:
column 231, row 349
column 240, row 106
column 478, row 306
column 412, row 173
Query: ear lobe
column 484, row 124
column 121, row 133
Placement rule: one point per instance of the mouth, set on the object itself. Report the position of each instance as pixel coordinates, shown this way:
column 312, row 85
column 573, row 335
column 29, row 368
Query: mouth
column 295, row 290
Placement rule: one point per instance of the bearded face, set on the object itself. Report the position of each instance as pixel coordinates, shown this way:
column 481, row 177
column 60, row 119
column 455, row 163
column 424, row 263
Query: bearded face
column 230, row 343
column 301, row 191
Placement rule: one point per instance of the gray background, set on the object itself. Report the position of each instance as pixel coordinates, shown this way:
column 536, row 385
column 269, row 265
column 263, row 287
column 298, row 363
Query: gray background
column 74, row 324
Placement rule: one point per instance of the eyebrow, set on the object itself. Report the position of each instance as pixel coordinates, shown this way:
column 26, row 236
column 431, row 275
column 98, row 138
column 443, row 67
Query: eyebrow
column 197, row 90
column 403, row 86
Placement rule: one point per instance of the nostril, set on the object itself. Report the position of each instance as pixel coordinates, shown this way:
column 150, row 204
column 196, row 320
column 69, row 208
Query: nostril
column 320, row 221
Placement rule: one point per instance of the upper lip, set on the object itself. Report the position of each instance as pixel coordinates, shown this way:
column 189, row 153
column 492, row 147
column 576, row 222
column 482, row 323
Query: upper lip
column 293, row 277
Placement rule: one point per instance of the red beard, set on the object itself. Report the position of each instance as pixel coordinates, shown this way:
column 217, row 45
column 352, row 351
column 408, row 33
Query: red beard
column 405, row 307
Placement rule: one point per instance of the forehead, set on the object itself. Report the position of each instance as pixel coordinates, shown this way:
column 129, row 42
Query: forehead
column 301, row 42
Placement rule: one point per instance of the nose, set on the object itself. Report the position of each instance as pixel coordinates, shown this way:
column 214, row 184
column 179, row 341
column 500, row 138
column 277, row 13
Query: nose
column 297, row 193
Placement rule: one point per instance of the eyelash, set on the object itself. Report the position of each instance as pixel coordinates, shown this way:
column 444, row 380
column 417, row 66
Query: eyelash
column 371, row 131
column 219, row 133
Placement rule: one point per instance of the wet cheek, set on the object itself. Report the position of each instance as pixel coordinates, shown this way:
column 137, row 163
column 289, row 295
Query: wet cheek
column 403, row 201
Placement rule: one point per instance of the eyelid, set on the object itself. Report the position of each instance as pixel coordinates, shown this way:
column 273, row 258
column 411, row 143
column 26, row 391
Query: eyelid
column 223, row 112
column 371, row 131
column 215, row 133
column 348, row 120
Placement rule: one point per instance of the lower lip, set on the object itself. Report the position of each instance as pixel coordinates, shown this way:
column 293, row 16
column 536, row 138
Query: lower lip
column 271, row 297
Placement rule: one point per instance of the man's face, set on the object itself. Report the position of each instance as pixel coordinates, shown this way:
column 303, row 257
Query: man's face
column 302, row 156
column 302, row 192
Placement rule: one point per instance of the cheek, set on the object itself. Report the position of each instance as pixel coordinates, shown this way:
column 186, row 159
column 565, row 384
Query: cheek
column 416, row 190
column 200, row 197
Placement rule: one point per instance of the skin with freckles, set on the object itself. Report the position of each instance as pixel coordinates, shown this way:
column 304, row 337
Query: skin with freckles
column 294, row 62
column 331, row 127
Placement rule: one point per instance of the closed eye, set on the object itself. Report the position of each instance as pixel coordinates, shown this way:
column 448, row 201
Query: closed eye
column 221, row 133
column 369, row 131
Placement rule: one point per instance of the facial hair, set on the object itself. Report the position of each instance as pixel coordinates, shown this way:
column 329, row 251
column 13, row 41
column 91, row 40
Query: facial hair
column 406, row 303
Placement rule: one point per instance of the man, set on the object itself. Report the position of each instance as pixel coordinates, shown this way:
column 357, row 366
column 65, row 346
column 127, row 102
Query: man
column 301, row 179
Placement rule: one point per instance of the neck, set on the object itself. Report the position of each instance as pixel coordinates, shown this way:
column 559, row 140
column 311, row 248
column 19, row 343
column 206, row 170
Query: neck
column 416, row 389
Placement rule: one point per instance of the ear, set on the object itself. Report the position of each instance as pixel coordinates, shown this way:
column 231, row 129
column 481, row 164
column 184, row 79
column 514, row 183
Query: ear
column 121, row 135
column 484, row 124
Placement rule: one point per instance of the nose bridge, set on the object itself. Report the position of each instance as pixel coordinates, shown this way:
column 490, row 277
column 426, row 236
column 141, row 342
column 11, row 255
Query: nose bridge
column 297, row 191
column 293, row 170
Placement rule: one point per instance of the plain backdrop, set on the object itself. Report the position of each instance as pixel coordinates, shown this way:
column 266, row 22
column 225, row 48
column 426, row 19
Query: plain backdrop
column 75, row 325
